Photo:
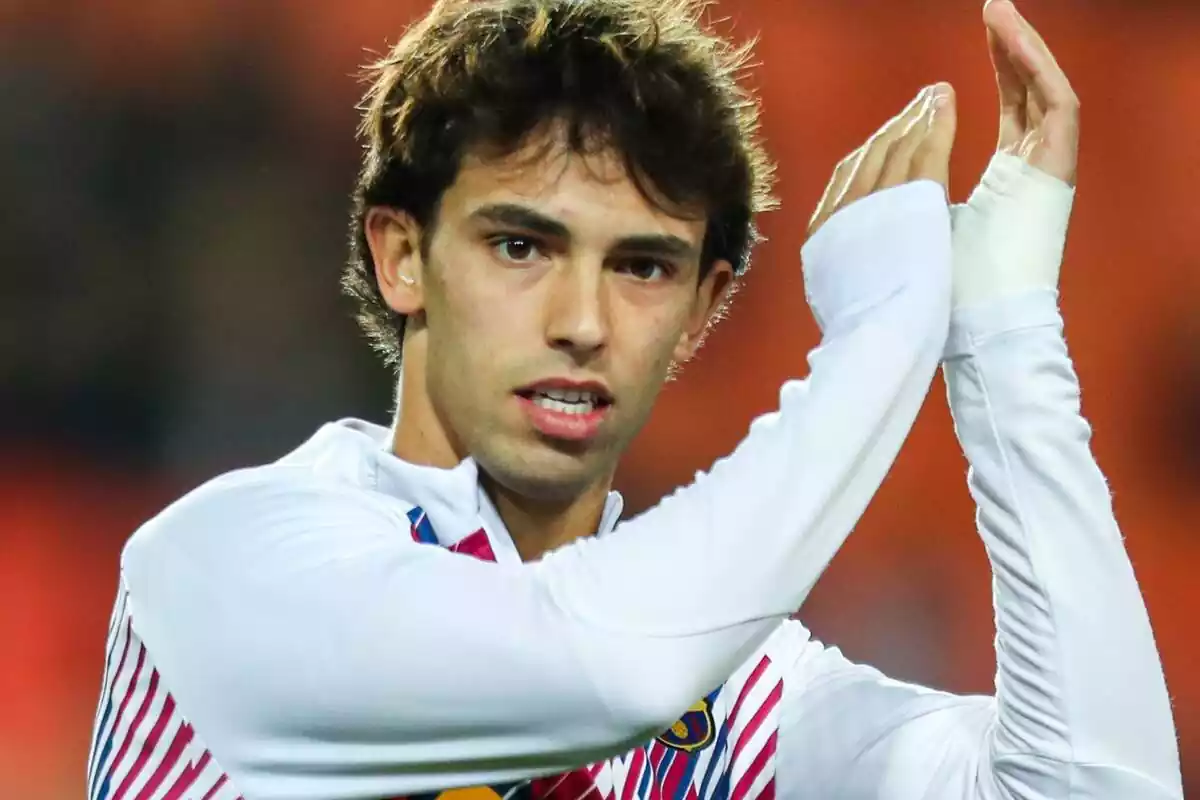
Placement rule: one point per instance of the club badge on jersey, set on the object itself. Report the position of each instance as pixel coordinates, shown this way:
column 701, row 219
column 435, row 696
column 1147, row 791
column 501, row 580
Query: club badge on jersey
column 696, row 754
column 693, row 731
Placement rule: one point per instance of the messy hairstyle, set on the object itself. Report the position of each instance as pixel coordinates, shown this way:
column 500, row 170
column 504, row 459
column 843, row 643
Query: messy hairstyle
column 641, row 78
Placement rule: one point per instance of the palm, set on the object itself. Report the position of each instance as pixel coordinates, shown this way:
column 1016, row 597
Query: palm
column 1039, row 112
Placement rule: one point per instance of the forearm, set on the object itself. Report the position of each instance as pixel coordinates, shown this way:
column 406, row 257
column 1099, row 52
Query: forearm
column 1081, row 704
column 431, row 669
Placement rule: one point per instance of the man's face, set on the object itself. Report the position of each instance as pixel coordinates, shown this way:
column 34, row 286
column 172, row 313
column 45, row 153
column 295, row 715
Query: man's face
column 555, row 300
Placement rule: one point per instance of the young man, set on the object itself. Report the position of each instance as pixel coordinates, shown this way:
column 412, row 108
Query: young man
column 556, row 200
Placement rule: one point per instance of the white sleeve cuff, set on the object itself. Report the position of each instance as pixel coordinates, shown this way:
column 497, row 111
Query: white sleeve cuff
column 972, row 326
column 844, row 271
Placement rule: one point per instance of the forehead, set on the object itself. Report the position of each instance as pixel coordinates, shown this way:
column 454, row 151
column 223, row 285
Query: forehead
column 591, row 193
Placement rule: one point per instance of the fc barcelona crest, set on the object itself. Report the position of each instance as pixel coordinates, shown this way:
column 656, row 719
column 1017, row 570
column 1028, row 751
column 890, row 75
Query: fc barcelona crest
column 693, row 731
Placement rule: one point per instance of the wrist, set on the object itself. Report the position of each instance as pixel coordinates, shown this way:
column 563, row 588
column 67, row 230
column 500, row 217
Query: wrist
column 1010, row 236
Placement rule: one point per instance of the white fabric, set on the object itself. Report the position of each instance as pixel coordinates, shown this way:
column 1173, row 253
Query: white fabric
column 320, row 652
column 1010, row 235
column 1081, row 708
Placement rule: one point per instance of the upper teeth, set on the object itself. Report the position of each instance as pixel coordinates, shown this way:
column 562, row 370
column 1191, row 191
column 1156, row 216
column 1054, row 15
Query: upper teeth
column 565, row 401
column 569, row 396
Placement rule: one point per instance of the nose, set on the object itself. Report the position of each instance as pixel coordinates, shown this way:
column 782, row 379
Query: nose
column 577, row 309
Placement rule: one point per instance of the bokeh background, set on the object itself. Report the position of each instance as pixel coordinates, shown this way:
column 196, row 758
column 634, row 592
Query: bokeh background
column 173, row 195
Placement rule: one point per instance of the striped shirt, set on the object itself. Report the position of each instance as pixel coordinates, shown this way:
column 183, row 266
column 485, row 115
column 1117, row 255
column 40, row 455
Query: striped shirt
column 143, row 747
column 724, row 747
column 344, row 625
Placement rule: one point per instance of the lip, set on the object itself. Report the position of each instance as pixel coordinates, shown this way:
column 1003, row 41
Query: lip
column 564, row 425
column 569, row 385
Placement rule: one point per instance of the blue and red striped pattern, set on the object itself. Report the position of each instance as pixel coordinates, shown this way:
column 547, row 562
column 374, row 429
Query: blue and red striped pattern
column 143, row 748
column 738, row 765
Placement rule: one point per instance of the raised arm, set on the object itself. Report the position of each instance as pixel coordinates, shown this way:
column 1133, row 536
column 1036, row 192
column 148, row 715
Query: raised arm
column 1081, row 709
column 320, row 652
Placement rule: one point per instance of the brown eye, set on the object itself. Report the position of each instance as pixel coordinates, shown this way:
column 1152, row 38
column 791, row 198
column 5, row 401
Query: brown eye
column 645, row 269
column 518, row 249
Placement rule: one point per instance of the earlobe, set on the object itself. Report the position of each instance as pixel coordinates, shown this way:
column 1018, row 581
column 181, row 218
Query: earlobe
column 394, row 239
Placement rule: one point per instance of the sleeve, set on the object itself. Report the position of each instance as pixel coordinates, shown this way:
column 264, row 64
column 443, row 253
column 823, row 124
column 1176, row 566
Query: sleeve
column 320, row 652
column 1081, row 708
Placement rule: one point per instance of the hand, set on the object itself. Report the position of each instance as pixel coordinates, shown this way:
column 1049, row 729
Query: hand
column 1039, row 111
column 1009, row 237
column 914, row 145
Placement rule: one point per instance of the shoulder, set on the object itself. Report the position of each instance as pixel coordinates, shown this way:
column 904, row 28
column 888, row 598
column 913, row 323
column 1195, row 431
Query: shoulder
column 264, row 525
column 248, row 552
column 244, row 510
column 324, row 485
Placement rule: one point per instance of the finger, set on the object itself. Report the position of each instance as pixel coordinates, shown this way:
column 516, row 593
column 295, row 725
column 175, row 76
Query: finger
column 931, row 160
column 1028, row 53
column 837, row 184
column 1009, row 81
column 841, row 176
column 874, row 154
column 899, row 160
column 1010, row 86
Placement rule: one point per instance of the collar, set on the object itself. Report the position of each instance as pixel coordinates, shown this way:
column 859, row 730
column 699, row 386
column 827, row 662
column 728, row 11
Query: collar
column 453, row 499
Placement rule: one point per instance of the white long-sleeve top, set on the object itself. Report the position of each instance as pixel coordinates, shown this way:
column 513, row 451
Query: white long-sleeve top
column 1081, row 708
column 342, row 624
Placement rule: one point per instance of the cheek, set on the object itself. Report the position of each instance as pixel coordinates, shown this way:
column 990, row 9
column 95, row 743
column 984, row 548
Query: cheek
column 647, row 343
column 474, row 330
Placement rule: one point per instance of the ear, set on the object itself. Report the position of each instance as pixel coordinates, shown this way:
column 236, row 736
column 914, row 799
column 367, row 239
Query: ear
column 394, row 239
column 711, row 295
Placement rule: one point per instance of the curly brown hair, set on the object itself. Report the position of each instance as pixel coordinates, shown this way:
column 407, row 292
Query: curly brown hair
column 643, row 78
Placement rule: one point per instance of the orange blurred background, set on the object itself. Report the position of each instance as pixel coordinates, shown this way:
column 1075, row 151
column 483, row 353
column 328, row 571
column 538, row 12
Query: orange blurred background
column 176, row 181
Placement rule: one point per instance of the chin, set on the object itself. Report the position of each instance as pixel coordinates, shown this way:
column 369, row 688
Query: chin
column 551, row 470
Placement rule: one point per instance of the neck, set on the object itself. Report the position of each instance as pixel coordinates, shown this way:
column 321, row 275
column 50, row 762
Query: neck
column 538, row 526
column 417, row 435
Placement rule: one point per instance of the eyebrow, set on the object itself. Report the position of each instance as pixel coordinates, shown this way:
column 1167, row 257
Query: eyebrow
column 518, row 216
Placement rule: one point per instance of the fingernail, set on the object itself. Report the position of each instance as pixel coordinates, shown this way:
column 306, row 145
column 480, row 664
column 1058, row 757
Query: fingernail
column 941, row 94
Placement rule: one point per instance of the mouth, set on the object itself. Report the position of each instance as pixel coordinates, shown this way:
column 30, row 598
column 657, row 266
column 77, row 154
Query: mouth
column 567, row 399
column 566, row 410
